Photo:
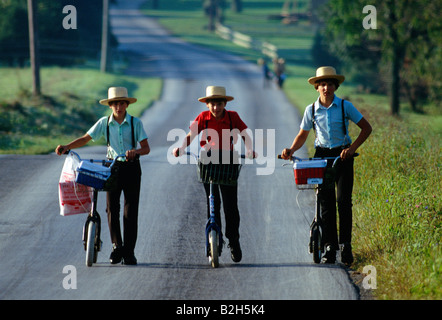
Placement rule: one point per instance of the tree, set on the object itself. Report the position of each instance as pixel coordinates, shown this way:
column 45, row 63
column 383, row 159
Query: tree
column 34, row 47
column 236, row 6
column 14, row 33
column 58, row 46
column 105, row 37
column 402, row 27
column 320, row 53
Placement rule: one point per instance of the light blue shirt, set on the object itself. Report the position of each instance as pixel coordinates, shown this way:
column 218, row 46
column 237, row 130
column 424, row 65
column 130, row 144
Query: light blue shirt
column 120, row 135
column 329, row 122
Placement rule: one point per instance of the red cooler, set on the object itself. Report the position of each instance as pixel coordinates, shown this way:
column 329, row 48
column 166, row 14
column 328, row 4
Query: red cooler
column 309, row 172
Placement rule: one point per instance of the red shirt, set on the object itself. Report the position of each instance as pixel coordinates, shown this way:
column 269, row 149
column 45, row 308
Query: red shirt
column 207, row 123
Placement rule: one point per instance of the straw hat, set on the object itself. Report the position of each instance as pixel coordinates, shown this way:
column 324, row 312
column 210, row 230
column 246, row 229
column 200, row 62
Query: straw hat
column 117, row 93
column 214, row 92
column 326, row 73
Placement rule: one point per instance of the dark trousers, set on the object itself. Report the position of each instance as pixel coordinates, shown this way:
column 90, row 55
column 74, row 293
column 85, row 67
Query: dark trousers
column 129, row 181
column 229, row 196
column 342, row 195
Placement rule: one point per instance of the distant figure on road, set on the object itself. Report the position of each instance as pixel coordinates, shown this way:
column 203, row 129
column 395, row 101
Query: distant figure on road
column 122, row 132
column 267, row 74
column 279, row 68
column 218, row 119
column 328, row 116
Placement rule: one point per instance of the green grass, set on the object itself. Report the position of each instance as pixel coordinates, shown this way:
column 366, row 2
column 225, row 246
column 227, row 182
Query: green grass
column 397, row 203
column 67, row 109
column 398, row 208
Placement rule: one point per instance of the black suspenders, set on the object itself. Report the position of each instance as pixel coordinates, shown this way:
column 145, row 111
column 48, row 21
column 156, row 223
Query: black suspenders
column 343, row 117
column 131, row 126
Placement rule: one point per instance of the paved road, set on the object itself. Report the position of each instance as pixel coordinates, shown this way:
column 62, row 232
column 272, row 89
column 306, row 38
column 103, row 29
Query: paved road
column 36, row 244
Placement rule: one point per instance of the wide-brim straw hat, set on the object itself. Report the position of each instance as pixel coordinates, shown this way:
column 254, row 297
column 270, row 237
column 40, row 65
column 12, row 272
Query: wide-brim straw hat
column 326, row 73
column 215, row 92
column 116, row 94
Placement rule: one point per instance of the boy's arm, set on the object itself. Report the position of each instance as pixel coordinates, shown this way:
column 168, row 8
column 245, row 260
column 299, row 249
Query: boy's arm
column 366, row 130
column 143, row 150
column 187, row 141
column 298, row 142
column 77, row 143
column 250, row 153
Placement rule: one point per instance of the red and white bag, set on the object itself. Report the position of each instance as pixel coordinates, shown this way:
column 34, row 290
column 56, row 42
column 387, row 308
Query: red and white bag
column 74, row 198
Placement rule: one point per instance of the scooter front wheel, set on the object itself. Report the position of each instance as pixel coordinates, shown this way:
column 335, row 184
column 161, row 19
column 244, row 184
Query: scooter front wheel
column 91, row 252
column 316, row 244
column 213, row 243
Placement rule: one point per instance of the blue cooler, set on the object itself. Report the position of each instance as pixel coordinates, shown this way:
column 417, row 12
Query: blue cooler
column 92, row 175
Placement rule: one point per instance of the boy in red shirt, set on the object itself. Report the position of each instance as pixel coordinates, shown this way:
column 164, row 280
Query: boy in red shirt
column 221, row 128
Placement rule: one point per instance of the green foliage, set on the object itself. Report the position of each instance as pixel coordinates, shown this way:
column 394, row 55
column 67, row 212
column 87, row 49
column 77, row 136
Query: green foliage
column 404, row 48
column 58, row 46
column 14, row 39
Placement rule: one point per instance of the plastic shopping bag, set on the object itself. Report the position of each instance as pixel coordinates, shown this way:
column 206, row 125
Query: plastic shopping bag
column 74, row 198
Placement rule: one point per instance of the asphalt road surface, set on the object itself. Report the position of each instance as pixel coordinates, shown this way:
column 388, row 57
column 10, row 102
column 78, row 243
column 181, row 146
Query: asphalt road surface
column 41, row 252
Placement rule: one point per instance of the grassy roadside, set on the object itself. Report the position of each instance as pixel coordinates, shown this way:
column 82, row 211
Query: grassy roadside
column 68, row 108
column 397, row 204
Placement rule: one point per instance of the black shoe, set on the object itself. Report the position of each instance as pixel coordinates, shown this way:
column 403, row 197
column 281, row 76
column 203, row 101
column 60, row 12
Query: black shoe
column 116, row 255
column 329, row 254
column 346, row 254
column 235, row 251
column 129, row 259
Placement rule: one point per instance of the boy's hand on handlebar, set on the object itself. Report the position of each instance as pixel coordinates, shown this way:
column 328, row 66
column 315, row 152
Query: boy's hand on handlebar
column 251, row 154
column 61, row 150
column 347, row 153
column 286, row 154
column 177, row 152
column 132, row 155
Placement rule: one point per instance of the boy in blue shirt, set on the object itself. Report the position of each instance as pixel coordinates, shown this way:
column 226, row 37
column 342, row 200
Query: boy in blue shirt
column 329, row 116
column 123, row 132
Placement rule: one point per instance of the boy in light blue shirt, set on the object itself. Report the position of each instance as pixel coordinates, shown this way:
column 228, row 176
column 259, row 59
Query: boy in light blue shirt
column 123, row 132
column 329, row 117
column 329, row 124
column 120, row 134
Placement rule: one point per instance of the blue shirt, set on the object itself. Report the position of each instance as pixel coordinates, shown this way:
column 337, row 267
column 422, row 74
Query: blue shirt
column 329, row 122
column 120, row 135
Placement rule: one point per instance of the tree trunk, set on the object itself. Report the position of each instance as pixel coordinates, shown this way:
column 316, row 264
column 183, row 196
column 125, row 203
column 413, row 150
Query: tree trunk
column 105, row 37
column 397, row 49
column 395, row 82
column 34, row 48
column 212, row 15
column 237, row 6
